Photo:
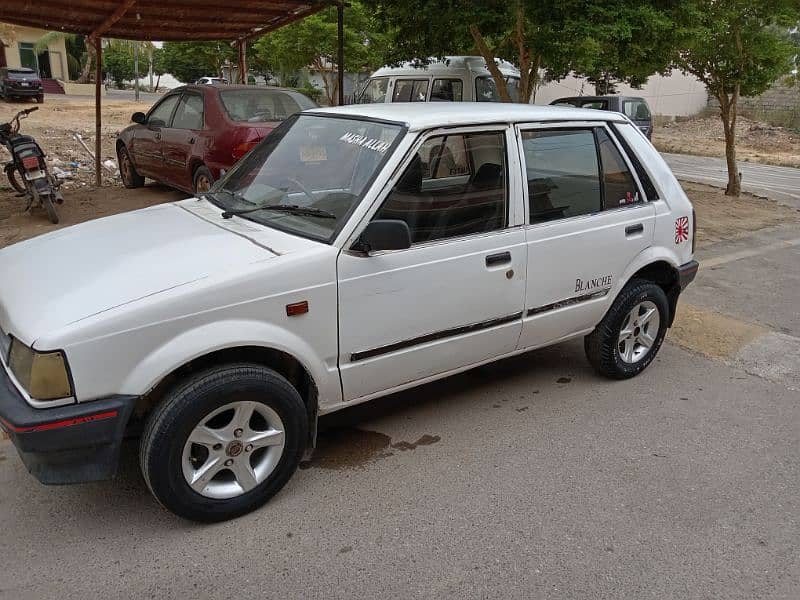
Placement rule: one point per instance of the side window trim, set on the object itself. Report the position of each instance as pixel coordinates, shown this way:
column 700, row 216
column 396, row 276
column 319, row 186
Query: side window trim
column 637, row 168
column 511, row 220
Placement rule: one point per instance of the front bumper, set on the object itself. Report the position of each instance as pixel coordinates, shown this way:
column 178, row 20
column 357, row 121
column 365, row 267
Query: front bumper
column 68, row 444
column 687, row 273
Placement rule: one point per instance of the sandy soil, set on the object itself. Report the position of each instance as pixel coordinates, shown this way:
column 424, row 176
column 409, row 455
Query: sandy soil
column 720, row 217
column 757, row 142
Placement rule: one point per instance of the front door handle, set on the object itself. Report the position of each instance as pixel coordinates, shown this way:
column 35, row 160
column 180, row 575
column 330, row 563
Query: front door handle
column 157, row 136
column 634, row 229
column 191, row 140
column 501, row 258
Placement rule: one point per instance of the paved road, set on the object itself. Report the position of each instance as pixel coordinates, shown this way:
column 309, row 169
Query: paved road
column 778, row 183
column 533, row 478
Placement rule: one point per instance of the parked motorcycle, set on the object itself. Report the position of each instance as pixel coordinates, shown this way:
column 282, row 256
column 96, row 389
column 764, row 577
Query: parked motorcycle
column 27, row 171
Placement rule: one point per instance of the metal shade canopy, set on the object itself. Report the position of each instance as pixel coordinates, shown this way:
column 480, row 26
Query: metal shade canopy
column 159, row 20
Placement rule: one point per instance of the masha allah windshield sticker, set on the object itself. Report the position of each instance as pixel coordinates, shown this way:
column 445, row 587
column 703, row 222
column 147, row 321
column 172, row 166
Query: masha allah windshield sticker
column 365, row 142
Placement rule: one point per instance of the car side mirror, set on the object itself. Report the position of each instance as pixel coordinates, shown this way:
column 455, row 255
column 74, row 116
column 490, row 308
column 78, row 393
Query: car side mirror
column 156, row 124
column 139, row 117
column 385, row 234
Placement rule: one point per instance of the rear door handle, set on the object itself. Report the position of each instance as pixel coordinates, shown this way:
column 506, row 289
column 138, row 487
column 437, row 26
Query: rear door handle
column 501, row 258
column 191, row 140
column 158, row 136
column 634, row 229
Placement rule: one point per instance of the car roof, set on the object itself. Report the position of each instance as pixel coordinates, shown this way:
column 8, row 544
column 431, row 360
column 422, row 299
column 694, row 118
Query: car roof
column 451, row 66
column 427, row 115
column 591, row 98
column 262, row 88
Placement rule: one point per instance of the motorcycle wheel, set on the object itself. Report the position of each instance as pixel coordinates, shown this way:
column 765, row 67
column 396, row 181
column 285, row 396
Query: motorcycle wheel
column 47, row 202
column 13, row 177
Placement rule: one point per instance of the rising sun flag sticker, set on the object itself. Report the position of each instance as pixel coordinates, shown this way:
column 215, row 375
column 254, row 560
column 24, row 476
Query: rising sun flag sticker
column 681, row 229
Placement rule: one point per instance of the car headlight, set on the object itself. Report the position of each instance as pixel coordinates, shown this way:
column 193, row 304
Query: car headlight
column 44, row 375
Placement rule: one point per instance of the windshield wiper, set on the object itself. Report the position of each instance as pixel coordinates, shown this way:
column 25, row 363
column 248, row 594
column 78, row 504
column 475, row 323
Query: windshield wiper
column 293, row 209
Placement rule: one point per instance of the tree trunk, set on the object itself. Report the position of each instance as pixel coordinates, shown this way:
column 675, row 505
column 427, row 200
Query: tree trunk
column 728, row 109
column 86, row 69
column 488, row 56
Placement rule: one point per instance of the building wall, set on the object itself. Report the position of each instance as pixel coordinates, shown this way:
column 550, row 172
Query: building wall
column 28, row 35
column 673, row 95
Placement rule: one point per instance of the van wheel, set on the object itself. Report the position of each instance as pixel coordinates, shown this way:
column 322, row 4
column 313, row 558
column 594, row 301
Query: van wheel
column 203, row 179
column 224, row 442
column 630, row 335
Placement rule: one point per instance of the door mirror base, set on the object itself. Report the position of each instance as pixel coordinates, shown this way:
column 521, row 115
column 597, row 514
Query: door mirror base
column 384, row 234
column 139, row 117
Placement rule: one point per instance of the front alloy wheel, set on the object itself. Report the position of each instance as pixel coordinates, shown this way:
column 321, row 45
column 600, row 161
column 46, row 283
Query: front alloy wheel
column 233, row 449
column 224, row 442
column 639, row 332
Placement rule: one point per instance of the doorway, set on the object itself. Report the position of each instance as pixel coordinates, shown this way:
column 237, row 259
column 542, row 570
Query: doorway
column 43, row 58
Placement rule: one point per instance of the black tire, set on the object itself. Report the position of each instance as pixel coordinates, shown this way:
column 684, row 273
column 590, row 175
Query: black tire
column 40, row 99
column 130, row 176
column 169, row 427
column 202, row 177
column 602, row 346
column 13, row 177
column 47, row 202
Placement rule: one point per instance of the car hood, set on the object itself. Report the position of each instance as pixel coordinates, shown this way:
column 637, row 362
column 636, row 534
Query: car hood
column 63, row 277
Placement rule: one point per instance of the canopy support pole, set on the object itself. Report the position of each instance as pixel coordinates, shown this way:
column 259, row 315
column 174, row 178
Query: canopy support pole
column 340, row 57
column 98, row 76
column 241, row 47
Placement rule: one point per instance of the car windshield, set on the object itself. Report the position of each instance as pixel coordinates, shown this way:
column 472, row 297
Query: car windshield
column 486, row 89
column 317, row 162
column 255, row 105
column 21, row 74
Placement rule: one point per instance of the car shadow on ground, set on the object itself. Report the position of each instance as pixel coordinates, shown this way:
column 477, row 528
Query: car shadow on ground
column 346, row 437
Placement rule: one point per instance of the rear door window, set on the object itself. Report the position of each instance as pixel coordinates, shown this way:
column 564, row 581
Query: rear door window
column 596, row 104
column 189, row 114
column 563, row 173
column 619, row 186
column 410, row 90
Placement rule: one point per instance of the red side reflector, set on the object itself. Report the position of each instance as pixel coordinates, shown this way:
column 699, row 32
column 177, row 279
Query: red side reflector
column 31, row 163
column 111, row 414
column 298, row 308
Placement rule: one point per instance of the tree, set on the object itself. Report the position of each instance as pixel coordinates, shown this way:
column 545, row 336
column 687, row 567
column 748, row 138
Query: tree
column 737, row 48
column 607, row 39
column 313, row 43
column 118, row 61
column 189, row 61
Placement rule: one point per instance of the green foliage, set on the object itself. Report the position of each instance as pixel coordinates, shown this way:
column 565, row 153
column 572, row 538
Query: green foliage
column 312, row 92
column 313, row 42
column 738, row 46
column 118, row 62
column 614, row 40
column 189, row 61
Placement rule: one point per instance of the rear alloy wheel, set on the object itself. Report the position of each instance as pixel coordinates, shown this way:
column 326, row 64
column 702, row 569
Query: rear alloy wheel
column 630, row 335
column 224, row 442
column 203, row 180
column 130, row 176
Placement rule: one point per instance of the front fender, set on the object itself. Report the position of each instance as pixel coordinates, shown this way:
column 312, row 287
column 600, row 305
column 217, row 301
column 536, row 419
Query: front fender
column 221, row 335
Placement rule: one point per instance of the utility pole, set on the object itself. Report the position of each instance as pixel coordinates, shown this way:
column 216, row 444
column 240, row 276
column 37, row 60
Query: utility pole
column 136, row 69
column 340, row 57
column 150, row 66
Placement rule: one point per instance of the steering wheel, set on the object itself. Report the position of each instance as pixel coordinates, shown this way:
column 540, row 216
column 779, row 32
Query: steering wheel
column 309, row 194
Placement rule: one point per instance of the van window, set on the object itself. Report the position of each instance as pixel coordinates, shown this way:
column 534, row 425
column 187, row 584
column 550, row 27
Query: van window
column 636, row 110
column 447, row 90
column 410, row 90
column 486, row 89
column 375, row 91
column 563, row 173
column 595, row 104
column 438, row 203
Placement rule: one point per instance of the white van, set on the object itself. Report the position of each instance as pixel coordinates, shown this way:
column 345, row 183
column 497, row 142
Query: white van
column 454, row 79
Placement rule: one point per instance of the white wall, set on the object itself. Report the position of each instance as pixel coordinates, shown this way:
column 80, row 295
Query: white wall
column 674, row 95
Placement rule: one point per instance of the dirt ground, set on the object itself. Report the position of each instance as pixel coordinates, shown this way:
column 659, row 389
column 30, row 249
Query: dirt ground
column 756, row 142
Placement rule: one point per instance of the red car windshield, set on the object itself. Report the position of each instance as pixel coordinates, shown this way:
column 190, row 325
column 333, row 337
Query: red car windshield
column 261, row 104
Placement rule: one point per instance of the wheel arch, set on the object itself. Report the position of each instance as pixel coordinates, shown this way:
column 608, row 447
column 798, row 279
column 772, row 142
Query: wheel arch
column 660, row 267
column 282, row 362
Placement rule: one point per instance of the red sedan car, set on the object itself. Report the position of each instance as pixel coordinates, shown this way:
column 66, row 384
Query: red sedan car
column 196, row 132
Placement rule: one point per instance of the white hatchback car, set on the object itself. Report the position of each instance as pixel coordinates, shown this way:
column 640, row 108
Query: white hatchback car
column 355, row 252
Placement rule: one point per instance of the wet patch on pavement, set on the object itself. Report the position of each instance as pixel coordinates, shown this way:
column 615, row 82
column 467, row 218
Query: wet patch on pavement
column 349, row 448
